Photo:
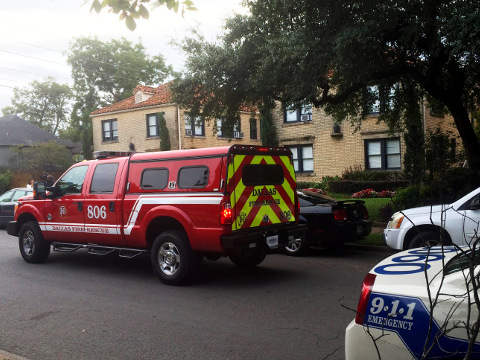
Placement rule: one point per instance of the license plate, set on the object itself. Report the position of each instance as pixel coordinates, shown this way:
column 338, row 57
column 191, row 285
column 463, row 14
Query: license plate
column 272, row 241
column 360, row 230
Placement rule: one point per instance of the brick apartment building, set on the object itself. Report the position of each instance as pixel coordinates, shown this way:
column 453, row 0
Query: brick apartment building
column 320, row 147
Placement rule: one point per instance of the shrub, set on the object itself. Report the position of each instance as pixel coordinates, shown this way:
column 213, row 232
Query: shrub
column 385, row 212
column 5, row 179
column 349, row 186
column 409, row 197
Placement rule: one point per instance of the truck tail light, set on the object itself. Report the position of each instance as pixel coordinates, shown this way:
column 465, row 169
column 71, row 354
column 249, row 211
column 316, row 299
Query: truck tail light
column 226, row 214
column 367, row 286
column 340, row 215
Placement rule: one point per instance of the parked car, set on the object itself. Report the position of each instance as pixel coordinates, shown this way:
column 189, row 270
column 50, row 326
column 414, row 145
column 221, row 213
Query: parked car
column 8, row 201
column 331, row 223
column 430, row 225
column 416, row 303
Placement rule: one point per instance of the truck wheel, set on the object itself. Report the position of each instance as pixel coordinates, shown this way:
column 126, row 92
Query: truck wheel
column 248, row 259
column 173, row 259
column 298, row 246
column 425, row 238
column 33, row 247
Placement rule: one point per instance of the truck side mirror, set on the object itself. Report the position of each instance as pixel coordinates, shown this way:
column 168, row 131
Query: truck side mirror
column 39, row 191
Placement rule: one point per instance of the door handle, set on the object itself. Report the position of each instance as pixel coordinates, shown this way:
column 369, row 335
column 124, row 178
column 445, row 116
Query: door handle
column 112, row 206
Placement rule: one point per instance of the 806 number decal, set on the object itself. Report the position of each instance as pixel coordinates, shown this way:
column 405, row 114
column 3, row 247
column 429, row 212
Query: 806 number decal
column 96, row 212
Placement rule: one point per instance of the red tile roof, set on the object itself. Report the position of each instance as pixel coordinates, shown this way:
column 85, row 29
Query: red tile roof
column 161, row 95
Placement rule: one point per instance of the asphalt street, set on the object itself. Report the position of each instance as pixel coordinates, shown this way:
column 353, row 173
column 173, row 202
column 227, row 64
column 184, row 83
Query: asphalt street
column 81, row 306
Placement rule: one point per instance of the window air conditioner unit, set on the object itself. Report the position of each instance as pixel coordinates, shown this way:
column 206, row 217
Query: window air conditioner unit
column 238, row 134
column 188, row 131
column 306, row 117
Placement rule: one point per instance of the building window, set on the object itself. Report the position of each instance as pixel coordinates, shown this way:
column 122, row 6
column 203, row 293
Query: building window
column 302, row 158
column 222, row 133
column 382, row 154
column 381, row 99
column 194, row 126
column 110, row 130
column 297, row 113
column 152, row 125
column 253, row 129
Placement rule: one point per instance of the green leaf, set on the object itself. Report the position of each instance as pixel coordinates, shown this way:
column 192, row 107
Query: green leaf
column 96, row 6
column 143, row 12
column 130, row 22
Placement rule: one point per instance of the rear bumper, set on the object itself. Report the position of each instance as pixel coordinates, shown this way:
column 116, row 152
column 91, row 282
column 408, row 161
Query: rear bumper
column 12, row 228
column 251, row 239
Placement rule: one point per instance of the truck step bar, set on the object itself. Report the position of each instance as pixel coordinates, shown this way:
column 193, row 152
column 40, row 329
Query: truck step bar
column 97, row 249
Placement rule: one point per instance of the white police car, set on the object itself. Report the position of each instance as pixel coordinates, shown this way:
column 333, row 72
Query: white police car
column 452, row 223
column 394, row 311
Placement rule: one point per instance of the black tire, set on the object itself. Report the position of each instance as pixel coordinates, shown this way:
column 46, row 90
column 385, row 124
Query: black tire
column 425, row 238
column 248, row 259
column 33, row 247
column 299, row 246
column 173, row 259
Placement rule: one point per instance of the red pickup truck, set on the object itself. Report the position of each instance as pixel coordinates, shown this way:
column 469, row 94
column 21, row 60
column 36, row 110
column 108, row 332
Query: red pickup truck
column 181, row 206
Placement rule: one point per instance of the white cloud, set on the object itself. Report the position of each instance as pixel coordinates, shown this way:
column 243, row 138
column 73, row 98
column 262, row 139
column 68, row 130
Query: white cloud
column 34, row 35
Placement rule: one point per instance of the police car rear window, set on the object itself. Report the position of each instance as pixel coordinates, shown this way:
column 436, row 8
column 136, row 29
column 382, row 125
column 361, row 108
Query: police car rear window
column 193, row 177
column 154, row 179
column 262, row 174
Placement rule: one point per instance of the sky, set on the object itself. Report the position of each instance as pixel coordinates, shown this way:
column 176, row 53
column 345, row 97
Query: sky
column 35, row 35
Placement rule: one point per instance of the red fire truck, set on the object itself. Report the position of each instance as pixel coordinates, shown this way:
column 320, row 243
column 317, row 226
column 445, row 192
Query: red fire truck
column 181, row 206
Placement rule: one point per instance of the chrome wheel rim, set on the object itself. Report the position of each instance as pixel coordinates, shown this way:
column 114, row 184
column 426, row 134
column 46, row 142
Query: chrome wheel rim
column 169, row 258
column 28, row 242
column 294, row 244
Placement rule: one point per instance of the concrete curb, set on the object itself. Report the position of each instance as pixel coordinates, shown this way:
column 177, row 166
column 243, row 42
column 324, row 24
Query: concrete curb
column 4, row 355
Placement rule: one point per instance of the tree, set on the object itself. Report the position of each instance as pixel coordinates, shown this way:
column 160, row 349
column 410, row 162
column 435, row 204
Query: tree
column 44, row 103
column 329, row 53
column 49, row 156
column 130, row 10
column 164, row 133
column 107, row 72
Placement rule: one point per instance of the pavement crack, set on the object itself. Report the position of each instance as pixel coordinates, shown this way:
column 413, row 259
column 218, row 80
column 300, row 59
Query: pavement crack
column 43, row 315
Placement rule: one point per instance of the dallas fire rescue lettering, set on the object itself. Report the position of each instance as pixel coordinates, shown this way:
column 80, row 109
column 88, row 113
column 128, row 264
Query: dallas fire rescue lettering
column 264, row 191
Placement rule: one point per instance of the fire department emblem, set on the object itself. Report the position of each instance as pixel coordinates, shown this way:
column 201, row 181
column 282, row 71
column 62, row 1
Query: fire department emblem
column 62, row 211
column 241, row 218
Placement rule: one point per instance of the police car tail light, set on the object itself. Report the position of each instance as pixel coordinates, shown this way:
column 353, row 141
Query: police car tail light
column 367, row 286
column 226, row 214
column 340, row 215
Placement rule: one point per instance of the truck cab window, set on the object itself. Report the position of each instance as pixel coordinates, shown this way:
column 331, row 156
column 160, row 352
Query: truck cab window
column 72, row 181
column 103, row 180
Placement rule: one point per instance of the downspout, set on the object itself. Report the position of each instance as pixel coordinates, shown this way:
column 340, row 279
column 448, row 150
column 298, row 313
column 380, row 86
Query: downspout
column 179, row 130
column 424, row 118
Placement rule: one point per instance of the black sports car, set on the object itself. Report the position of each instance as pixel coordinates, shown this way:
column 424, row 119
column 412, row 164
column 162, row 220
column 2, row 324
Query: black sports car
column 331, row 223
